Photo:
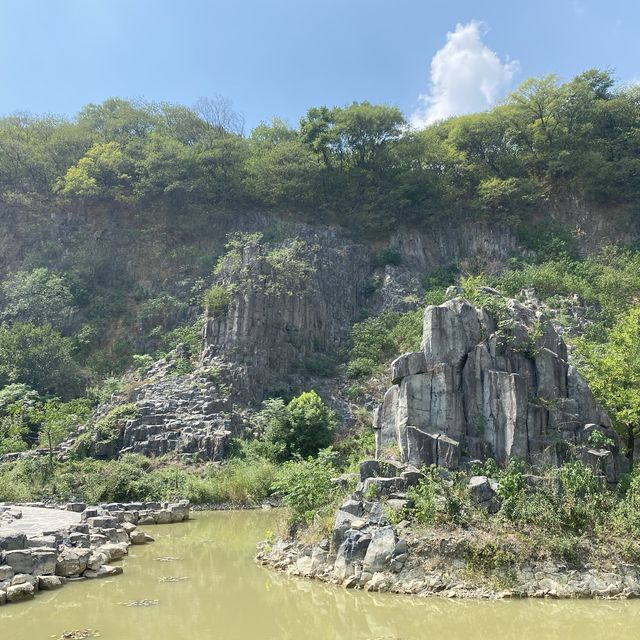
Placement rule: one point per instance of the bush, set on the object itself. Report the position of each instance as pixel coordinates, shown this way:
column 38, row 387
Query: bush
column 377, row 340
column 306, row 486
column 361, row 367
column 300, row 428
column 14, row 433
column 110, row 426
column 216, row 300
column 440, row 498
column 423, row 498
column 134, row 477
column 573, row 500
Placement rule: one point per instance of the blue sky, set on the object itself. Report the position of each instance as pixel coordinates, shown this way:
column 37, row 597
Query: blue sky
column 279, row 57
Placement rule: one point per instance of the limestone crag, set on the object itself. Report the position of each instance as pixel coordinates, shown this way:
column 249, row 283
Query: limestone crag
column 485, row 386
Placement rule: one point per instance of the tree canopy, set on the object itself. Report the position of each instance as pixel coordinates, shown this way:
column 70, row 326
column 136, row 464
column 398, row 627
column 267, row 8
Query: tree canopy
column 359, row 165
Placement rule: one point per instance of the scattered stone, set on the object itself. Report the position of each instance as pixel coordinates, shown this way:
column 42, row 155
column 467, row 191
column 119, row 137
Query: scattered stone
column 49, row 583
column 20, row 592
column 138, row 537
column 105, row 571
column 72, row 562
column 80, row 634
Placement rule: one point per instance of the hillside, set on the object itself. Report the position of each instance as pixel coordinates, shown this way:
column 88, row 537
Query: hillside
column 287, row 260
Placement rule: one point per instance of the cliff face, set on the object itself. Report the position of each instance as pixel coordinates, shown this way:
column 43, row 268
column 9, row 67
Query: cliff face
column 277, row 322
column 485, row 387
column 270, row 335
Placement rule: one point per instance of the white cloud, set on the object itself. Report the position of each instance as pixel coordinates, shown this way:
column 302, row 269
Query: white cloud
column 466, row 76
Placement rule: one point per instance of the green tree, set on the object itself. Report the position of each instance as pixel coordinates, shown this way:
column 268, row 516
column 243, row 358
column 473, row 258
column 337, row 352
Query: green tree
column 103, row 172
column 353, row 136
column 37, row 297
column 301, row 428
column 613, row 372
column 59, row 419
column 41, row 358
column 313, row 424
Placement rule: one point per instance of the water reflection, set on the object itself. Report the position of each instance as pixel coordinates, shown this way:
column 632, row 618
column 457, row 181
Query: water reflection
column 227, row 596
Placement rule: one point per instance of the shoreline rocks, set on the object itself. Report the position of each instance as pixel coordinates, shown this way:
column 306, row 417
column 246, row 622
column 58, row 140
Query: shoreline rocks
column 31, row 563
column 447, row 577
column 366, row 552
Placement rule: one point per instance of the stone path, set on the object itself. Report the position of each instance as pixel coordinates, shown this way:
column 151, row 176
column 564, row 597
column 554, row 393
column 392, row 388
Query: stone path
column 35, row 520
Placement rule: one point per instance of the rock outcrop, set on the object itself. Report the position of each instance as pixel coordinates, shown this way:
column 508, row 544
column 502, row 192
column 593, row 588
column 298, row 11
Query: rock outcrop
column 290, row 302
column 492, row 385
column 184, row 415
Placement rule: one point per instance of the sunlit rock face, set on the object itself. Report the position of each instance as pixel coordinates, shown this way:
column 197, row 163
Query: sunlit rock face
column 491, row 385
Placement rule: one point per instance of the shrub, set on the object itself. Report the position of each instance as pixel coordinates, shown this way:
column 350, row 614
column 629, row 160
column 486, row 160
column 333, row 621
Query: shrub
column 300, row 428
column 111, row 425
column 361, row 367
column 306, row 486
column 423, row 498
column 14, row 432
column 377, row 340
column 312, row 423
column 216, row 300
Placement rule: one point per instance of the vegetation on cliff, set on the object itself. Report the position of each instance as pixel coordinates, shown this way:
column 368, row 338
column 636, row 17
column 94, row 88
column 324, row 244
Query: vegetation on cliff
column 359, row 165
column 70, row 326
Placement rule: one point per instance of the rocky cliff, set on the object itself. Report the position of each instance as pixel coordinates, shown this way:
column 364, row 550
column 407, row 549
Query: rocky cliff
column 290, row 301
column 492, row 385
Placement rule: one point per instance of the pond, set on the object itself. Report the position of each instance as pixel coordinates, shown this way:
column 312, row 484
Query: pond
column 199, row 581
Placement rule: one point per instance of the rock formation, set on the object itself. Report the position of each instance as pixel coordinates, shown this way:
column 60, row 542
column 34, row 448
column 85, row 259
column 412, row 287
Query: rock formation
column 278, row 320
column 33, row 559
column 491, row 385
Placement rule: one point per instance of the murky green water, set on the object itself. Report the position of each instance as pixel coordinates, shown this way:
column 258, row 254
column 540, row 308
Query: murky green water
column 226, row 596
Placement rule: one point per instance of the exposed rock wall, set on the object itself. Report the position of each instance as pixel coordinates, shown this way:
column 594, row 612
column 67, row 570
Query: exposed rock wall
column 271, row 330
column 491, row 387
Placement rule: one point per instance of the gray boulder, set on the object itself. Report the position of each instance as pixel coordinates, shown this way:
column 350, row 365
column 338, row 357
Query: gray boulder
column 72, row 562
column 20, row 560
column 380, row 550
column 20, row 592
column 12, row 541
column 49, row 583
column 482, row 491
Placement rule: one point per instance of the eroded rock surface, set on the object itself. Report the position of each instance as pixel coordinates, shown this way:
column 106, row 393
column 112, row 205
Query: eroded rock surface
column 485, row 386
